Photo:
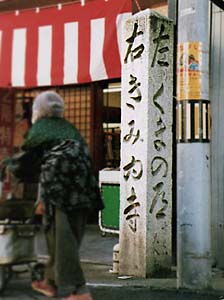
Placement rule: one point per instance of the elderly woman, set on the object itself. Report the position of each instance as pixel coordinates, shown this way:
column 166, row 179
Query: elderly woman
column 59, row 156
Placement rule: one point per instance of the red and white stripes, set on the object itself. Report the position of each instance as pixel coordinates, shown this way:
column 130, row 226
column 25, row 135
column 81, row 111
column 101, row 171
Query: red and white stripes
column 73, row 44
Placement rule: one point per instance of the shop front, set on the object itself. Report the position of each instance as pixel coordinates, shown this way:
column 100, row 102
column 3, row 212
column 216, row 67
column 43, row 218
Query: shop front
column 73, row 49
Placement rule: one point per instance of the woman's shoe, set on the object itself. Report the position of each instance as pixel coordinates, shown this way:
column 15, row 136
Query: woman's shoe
column 44, row 288
column 71, row 297
column 86, row 296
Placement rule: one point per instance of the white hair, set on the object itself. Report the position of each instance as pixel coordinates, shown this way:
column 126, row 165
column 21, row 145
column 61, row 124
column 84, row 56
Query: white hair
column 47, row 104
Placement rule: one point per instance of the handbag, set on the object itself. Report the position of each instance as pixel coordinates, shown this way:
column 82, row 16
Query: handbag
column 25, row 166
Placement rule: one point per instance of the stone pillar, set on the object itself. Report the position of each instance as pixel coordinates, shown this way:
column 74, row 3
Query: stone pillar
column 146, row 145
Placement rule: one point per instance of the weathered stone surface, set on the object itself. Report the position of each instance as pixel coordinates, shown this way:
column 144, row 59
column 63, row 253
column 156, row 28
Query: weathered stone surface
column 146, row 145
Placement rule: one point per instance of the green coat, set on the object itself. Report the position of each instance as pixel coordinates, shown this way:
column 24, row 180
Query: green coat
column 48, row 132
column 56, row 155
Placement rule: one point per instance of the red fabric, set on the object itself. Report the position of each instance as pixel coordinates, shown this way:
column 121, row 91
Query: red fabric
column 57, row 55
column 31, row 21
column 84, row 56
column 112, row 61
column 31, row 61
column 6, row 56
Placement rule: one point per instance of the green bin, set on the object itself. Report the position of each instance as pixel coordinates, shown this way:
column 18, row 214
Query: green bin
column 110, row 214
column 109, row 181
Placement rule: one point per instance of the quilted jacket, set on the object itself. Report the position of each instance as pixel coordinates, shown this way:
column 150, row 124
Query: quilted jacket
column 56, row 154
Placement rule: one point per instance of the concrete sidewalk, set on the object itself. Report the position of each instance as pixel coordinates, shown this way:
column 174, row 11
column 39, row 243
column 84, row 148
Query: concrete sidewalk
column 97, row 261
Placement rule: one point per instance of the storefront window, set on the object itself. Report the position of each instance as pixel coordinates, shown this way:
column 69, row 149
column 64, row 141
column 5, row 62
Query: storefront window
column 111, row 124
column 78, row 108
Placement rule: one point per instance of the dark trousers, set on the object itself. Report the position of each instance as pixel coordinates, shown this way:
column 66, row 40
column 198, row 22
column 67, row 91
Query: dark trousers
column 63, row 239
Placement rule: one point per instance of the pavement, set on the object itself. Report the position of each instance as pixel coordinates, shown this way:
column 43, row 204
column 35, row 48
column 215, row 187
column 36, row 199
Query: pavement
column 97, row 260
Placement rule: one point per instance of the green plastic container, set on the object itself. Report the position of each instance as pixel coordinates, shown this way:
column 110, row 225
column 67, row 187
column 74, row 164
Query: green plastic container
column 110, row 214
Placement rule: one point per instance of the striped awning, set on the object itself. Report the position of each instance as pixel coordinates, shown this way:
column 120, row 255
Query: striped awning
column 61, row 45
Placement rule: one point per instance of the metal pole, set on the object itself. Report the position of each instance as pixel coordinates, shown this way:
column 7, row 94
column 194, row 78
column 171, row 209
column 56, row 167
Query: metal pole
column 172, row 10
column 173, row 15
column 193, row 146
